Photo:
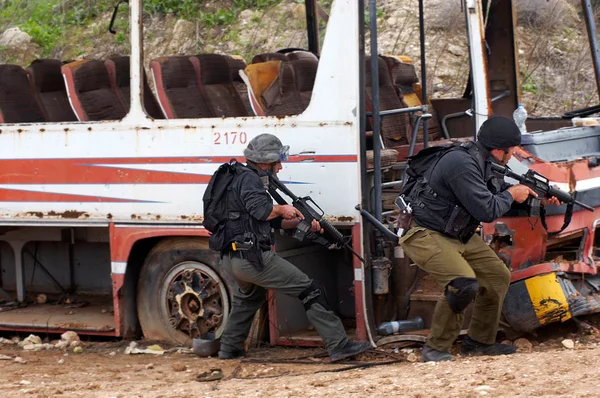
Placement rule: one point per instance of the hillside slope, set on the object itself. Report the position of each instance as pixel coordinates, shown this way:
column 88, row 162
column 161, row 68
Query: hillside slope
column 555, row 62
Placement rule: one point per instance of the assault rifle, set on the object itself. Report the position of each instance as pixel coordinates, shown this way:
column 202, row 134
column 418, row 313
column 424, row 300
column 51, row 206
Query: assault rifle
column 331, row 238
column 541, row 185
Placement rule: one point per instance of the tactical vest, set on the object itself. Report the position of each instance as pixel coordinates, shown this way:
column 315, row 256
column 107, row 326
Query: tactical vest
column 446, row 215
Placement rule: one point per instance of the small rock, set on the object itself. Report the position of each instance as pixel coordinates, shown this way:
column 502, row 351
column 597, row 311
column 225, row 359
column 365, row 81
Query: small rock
column 456, row 50
column 14, row 37
column 179, row 367
column 41, row 299
column 104, row 310
column 61, row 361
column 7, row 341
column 15, row 340
column 412, row 357
column 20, row 360
column 25, row 382
column 68, row 339
column 77, row 350
column 5, row 358
column 31, row 339
column 568, row 343
column 150, row 366
column 29, row 347
column 112, row 354
column 523, row 345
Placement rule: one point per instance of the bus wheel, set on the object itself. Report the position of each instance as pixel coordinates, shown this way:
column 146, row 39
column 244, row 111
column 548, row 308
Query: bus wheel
column 180, row 293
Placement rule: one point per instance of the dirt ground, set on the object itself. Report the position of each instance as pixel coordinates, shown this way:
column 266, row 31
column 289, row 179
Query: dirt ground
column 544, row 368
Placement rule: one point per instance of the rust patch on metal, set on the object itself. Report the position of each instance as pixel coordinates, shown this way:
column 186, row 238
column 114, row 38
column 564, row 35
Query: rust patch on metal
column 37, row 214
column 42, row 130
column 109, row 216
column 19, row 131
column 133, row 216
column 345, row 218
column 73, row 214
column 89, row 129
column 158, row 216
column 183, row 217
column 187, row 126
column 66, row 129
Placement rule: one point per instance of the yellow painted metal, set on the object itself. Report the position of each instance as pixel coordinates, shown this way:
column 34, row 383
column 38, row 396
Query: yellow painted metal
column 548, row 298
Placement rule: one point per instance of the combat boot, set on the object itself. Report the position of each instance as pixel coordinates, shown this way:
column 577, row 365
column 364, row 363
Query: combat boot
column 432, row 355
column 350, row 349
column 473, row 347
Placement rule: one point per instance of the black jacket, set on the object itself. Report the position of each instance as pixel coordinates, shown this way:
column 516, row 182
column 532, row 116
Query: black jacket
column 462, row 183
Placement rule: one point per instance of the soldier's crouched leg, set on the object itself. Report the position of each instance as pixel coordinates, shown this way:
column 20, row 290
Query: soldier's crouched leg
column 442, row 258
column 244, row 307
column 328, row 325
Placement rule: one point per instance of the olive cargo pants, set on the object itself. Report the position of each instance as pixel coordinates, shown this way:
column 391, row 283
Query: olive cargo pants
column 281, row 276
column 445, row 259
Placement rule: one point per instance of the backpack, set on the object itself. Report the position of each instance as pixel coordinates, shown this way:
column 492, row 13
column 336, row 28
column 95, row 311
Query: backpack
column 417, row 165
column 215, row 203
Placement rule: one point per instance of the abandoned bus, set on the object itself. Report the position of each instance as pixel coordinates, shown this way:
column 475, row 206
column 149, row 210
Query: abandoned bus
column 104, row 161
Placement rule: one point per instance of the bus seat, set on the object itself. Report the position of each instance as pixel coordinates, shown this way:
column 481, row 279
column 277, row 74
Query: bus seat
column 395, row 129
column 48, row 86
column 296, row 55
column 17, row 102
column 274, row 90
column 265, row 57
column 90, row 92
column 119, row 72
column 177, row 88
column 305, row 69
column 237, row 64
column 214, row 79
column 406, row 81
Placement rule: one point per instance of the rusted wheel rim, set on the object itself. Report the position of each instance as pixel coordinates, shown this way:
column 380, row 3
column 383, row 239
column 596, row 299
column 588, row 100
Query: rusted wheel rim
column 194, row 300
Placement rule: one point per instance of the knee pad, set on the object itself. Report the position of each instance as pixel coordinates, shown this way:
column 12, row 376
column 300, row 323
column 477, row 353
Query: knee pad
column 460, row 292
column 314, row 294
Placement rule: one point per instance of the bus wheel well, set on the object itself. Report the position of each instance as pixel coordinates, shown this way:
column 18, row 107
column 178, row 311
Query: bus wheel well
column 137, row 255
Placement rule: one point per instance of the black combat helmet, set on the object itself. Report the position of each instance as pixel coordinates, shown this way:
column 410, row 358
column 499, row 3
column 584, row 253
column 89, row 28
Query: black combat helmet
column 499, row 132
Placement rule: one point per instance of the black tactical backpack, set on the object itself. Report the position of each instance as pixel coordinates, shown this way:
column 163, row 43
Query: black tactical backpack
column 215, row 203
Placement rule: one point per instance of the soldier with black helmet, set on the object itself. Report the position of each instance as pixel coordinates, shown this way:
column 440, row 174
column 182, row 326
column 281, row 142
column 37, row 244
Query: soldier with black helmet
column 456, row 194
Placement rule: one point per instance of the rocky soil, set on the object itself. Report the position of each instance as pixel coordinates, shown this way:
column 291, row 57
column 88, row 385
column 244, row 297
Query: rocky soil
column 562, row 363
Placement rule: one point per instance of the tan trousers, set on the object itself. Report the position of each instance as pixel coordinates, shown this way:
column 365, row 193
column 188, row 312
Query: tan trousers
column 446, row 259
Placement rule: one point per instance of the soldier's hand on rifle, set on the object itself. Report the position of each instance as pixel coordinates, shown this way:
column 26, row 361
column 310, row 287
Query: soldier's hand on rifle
column 316, row 227
column 520, row 193
column 551, row 201
column 289, row 212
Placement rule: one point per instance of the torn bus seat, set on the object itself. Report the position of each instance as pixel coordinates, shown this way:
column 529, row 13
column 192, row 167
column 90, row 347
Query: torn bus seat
column 273, row 89
column 305, row 69
column 406, row 82
column 177, row 88
column 49, row 89
column 214, row 79
column 119, row 72
column 90, row 92
column 237, row 64
column 17, row 101
column 395, row 129
column 296, row 55
column 265, row 57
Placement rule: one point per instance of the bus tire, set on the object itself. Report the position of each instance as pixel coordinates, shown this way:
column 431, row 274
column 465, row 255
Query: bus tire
column 182, row 292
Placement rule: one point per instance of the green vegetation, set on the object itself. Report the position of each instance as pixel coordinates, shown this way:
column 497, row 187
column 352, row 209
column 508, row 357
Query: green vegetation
column 54, row 24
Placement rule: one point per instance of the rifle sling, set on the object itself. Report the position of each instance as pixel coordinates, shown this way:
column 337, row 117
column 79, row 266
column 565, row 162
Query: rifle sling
column 567, row 220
